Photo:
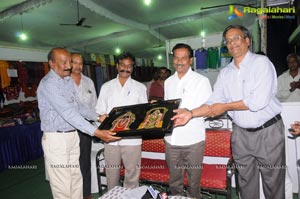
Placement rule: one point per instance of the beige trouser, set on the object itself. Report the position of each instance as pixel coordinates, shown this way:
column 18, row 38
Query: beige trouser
column 61, row 153
column 130, row 155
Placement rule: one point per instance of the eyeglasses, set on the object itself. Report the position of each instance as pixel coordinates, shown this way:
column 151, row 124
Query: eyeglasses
column 233, row 39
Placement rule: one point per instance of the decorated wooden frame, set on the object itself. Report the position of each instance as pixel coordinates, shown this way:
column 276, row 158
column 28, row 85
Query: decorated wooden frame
column 141, row 119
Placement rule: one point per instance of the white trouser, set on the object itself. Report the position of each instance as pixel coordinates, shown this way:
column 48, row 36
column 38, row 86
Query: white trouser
column 61, row 153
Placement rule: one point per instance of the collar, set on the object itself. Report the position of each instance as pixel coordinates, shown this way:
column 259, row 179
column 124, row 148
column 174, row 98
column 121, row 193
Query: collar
column 127, row 81
column 185, row 76
column 57, row 77
column 245, row 62
column 247, row 59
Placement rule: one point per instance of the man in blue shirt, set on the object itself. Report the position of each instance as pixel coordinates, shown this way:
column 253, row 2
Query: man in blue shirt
column 61, row 114
column 246, row 88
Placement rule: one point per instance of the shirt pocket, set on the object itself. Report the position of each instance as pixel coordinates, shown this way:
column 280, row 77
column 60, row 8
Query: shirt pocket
column 247, row 86
column 88, row 95
column 132, row 97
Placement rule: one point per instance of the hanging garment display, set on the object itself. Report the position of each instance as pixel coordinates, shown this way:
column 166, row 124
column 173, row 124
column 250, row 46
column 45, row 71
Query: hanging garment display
column 212, row 59
column 225, row 57
column 201, row 55
column 5, row 79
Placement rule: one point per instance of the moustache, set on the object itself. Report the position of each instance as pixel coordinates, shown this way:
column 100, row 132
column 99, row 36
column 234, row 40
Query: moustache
column 68, row 69
column 176, row 65
column 126, row 71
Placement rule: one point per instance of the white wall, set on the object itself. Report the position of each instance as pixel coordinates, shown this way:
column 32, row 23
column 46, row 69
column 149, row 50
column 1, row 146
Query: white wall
column 23, row 54
column 196, row 41
column 160, row 63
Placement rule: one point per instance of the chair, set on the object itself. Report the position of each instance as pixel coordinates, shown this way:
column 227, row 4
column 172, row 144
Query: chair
column 216, row 178
column 154, row 170
column 100, row 170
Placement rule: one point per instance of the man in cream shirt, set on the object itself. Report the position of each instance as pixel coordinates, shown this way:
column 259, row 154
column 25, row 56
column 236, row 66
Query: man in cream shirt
column 122, row 91
column 289, row 81
column 87, row 95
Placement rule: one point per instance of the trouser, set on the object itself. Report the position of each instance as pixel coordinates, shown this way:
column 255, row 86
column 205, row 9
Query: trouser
column 85, row 161
column 61, row 153
column 2, row 99
column 298, row 170
column 262, row 152
column 130, row 155
column 185, row 158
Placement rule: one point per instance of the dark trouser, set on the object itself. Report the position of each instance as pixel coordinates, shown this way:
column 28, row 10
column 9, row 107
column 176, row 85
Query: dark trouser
column 85, row 161
column 2, row 99
column 261, row 152
column 185, row 158
column 298, row 170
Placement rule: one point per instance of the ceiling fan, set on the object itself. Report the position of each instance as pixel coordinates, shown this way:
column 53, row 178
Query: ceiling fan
column 79, row 20
column 159, row 44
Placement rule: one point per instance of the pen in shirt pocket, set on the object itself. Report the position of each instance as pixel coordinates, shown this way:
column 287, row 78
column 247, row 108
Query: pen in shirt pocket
column 128, row 93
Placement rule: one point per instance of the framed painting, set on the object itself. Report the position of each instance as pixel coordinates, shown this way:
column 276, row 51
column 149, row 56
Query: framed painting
column 141, row 119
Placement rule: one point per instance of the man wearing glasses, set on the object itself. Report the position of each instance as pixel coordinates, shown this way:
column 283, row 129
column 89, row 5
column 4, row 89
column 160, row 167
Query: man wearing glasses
column 247, row 89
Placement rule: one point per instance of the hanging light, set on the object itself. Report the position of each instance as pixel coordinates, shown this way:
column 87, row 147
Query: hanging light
column 118, row 50
column 147, row 2
column 202, row 33
column 159, row 57
column 22, row 35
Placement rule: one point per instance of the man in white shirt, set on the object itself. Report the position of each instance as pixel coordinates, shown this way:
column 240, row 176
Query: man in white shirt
column 289, row 81
column 185, row 146
column 122, row 91
column 87, row 95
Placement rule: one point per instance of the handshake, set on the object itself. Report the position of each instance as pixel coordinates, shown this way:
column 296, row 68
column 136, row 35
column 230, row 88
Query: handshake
column 295, row 128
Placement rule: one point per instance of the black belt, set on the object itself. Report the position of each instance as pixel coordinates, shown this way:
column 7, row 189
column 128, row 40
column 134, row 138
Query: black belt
column 266, row 124
column 69, row 131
